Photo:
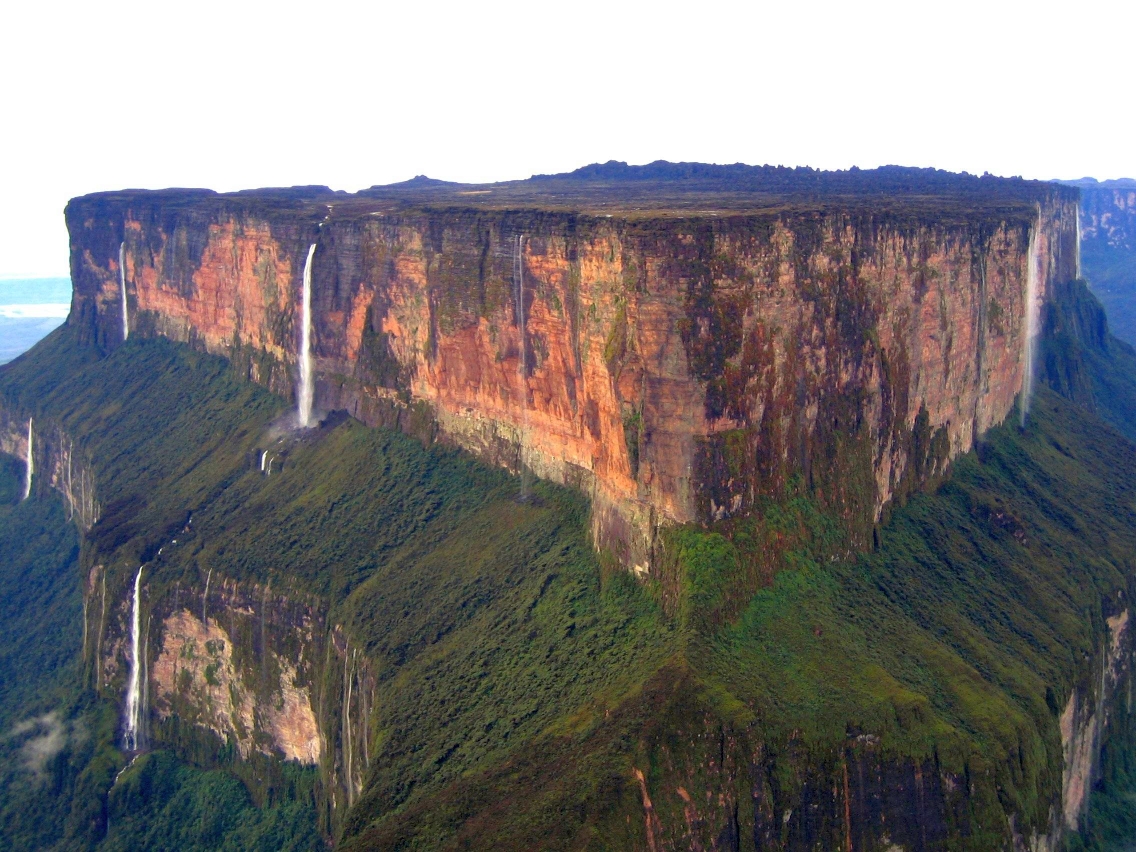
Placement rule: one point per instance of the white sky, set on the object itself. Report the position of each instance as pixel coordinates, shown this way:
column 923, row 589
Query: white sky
column 235, row 94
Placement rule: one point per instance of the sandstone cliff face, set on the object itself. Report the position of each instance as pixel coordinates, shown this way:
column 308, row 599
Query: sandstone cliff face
column 196, row 671
column 676, row 369
column 1108, row 216
column 1087, row 715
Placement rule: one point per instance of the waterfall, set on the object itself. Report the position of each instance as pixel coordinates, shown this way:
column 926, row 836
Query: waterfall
column 29, row 468
column 347, row 678
column 122, row 281
column 1078, row 242
column 134, row 692
column 99, row 637
column 1032, row 316
column 519, row 285
column 305, row 394
column 263, row 457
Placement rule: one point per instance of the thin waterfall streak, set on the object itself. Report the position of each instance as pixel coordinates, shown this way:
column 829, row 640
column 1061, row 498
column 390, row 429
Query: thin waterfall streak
column 519, row 283
column 350, row 693
column 306, row 393
column 1078, row 242
column 347, row 722
column 133, row 694
column 1032, row 309
column 143, row 735
column 366, row 716
column 325, row 741
column 99, row 638
column 122, row 283
column 70, row 493
column 205, row 597
column 29, row 467
column 264, row 629
column 263, row 456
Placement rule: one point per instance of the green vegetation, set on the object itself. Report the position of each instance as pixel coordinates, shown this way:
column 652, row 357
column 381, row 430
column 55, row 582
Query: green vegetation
column 957, row 642
column 40, row 603
column 519, row 684
column 162, row 804
column 1111, row 272
column 40, row 619
column 58, row 756
column 457, row 593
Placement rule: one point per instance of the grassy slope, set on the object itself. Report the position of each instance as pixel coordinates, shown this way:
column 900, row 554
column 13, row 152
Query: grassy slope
column 520, row 683
column 40, row 604
column 957, row 640
column 486, row 619
column 112, row 410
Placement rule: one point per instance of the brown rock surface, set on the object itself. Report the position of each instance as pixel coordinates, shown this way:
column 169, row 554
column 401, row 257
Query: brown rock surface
column 676, row 368
column 195, row 674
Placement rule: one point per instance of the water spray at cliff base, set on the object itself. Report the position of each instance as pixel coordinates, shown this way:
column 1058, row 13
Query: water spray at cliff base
column 133, row 738
column 306, row 392
column 1032, row 317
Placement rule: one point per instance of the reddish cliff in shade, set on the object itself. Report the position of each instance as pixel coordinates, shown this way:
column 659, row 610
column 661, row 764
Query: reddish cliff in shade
column 676, row 344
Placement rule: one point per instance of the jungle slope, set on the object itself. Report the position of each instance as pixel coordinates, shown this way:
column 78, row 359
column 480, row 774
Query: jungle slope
column 441, row 576
column 524, row 688
column 947, row 652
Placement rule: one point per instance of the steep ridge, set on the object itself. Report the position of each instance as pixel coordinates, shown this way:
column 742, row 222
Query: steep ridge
column 674, row 348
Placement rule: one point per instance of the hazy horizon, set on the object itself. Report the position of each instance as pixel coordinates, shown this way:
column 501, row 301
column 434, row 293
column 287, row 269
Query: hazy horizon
column 30, row 308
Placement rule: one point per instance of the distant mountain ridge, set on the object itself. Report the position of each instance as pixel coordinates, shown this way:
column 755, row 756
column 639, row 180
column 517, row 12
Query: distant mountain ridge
column 1108, row 248
column 1093, row 183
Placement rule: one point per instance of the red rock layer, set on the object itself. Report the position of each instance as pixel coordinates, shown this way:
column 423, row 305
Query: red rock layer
column 675, row 369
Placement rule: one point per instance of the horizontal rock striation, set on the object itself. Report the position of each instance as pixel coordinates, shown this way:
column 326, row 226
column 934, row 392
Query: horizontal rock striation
column 676, row 349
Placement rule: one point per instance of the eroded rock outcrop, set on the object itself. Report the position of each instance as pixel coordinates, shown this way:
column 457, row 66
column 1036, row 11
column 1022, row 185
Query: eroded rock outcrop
column 238, row 666
column 196, row 671
column 57, row 463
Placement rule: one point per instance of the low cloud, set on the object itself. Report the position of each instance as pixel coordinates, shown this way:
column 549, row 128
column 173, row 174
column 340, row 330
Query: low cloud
column 49, row 738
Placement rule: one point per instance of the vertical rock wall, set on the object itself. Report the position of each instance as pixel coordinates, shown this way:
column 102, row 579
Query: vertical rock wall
column 676, row 369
